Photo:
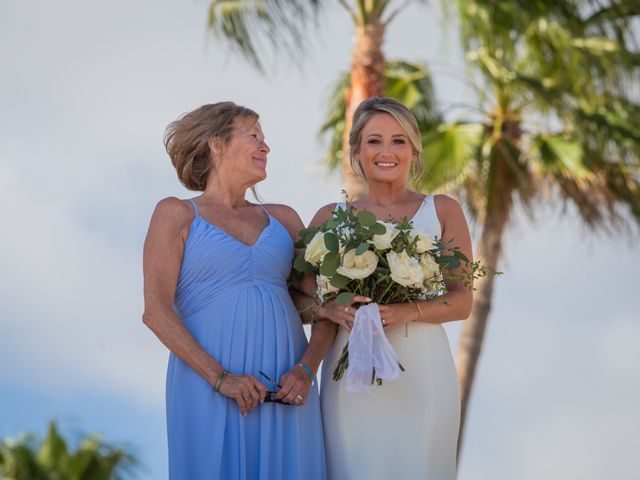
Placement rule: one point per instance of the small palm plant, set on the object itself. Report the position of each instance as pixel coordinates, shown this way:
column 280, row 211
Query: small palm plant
column 24, row 459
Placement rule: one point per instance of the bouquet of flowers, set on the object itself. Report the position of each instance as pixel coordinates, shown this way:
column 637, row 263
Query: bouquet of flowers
column 353, row 253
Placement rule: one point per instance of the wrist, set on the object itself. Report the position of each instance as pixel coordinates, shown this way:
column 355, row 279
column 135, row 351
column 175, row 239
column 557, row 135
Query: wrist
column 308, row 372
column 220, row 379
column 418, row 311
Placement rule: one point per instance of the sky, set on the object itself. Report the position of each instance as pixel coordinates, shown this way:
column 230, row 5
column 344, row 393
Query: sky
column 86, row 91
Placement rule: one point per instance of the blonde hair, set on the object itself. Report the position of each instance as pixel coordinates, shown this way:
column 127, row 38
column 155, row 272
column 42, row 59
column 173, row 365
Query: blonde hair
column 187, row 139
column 374, row 106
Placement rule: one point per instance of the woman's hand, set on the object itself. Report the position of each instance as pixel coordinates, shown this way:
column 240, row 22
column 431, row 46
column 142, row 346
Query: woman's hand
column 246, row 390
column 396, row 315
column 295, row 386
column 343, row 315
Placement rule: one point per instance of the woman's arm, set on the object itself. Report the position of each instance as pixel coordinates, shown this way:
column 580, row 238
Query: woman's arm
column 163, row 250
column 339, row 314
column 456, row 303
column 297, row 381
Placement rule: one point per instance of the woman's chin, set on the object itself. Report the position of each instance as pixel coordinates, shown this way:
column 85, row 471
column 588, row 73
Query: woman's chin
column 387, row 176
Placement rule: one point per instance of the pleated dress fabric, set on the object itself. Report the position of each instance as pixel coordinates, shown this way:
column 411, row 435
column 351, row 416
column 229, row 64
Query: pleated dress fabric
column 234, row 300
column 406, row 429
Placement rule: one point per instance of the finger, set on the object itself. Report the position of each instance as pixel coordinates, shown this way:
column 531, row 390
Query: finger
column 298, row 399
column 284, row 391
column 242, row 405
column 297, row 389
column 292, row 397
column 258, row 385
column 347, row 325
column 360, row 299
column 260, row 388
column 256, row 396
column 347, row 310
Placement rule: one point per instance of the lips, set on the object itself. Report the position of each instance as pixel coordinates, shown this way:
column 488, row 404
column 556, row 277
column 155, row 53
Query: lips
column 261, row 160
column 386, row 164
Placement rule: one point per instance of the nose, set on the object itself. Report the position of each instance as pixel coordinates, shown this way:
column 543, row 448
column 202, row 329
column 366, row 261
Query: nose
column 264, row 147
column 386, row 150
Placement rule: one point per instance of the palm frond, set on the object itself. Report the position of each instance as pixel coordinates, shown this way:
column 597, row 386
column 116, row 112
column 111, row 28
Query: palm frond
column 252, row 27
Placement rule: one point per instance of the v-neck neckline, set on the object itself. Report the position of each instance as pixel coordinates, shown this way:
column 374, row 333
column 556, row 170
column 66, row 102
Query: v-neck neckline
column 227, row 234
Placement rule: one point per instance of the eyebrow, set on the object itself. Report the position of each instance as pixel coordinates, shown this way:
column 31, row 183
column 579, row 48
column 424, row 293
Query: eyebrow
column 379, row 135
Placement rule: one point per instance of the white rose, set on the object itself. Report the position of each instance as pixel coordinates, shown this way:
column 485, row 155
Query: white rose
column 425, row 241
column 316, row 250
column 405, row 270
column 383, row 241
column 357, row 267
column 430, row 267
column 324, row 285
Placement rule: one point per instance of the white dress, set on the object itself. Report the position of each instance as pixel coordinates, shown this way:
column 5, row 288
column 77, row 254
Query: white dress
column 404, row 429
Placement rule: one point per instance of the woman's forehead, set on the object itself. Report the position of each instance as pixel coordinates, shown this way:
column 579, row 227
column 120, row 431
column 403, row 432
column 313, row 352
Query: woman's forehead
column 246, row 124
column 383, row 122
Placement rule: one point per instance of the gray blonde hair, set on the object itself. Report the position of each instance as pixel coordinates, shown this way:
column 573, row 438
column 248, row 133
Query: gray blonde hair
column 187, row 139
column 374, row 106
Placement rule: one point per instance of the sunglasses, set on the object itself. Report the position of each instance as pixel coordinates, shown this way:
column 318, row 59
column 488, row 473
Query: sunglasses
column 271, row 396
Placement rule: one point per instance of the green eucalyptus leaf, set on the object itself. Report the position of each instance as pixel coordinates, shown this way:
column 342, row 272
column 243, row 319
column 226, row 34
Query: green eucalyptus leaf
column 449, row 261
column 363, row 247
column 367, row 218
column 461, row 256
column 301, row 265
column 332, row 223
column 339, row 281
column 330, row 264
column 308, row 237
column 306, row 231
column 345, row 298
column 332, row 242
column 378, row 229
column 300, row 243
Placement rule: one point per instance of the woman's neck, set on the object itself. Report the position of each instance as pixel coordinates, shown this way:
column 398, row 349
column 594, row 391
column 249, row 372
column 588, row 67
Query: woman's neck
column 225, row 192
column 385, row 194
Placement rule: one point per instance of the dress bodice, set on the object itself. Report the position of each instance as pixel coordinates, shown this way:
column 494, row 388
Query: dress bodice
column 215, row 264
column 425, row 218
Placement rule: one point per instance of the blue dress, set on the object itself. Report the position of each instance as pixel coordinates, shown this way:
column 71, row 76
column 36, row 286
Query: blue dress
column 234, row 300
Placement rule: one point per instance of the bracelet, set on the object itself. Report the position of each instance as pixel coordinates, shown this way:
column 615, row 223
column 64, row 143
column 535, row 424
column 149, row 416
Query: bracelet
column 220, row 379
column 419, row 311
column 308, row 370
column 314, row 312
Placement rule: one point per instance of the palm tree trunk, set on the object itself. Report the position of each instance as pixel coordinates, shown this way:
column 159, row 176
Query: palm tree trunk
column 367, row 80
column 489, row 251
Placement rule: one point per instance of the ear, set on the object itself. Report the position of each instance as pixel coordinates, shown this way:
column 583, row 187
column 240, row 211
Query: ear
column 216, row 147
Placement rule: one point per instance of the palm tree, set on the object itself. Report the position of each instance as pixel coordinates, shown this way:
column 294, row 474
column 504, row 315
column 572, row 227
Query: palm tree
column 560, row 114
column 285, row 25
column 52, row 459
column 539, row 128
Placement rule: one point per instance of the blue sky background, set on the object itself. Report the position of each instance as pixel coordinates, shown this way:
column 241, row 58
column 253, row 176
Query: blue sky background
column 86, row 91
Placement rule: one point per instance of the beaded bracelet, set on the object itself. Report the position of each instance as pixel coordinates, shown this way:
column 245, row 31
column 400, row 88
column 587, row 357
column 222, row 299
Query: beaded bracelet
column 220, row 379
column 308, row 370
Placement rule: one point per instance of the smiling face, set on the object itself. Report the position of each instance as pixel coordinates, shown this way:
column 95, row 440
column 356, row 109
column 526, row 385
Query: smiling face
column 246, row 152
column 385, row 150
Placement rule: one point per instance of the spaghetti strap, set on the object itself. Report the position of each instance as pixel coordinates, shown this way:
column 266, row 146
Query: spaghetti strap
column 264, row 209
column 195, row 206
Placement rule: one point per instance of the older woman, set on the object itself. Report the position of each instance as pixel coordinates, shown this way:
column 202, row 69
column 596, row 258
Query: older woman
column 240, row 397
column 408, row 428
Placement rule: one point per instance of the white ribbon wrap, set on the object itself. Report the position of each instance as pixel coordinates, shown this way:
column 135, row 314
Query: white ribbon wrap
column 369, row 349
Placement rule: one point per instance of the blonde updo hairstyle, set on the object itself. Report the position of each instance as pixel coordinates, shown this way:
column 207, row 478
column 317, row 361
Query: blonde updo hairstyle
column 187, row 139
column 374, row 106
